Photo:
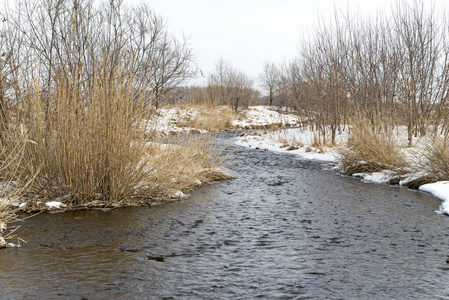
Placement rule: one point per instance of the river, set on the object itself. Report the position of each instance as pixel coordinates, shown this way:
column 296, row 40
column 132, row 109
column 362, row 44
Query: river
column 285, row 228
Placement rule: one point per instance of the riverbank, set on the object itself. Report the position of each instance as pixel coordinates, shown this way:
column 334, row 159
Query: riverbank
column 173, row 165
column 304, row 143
column 301, row 141
column 173, row 120
column 176, row 169
column 179, row 155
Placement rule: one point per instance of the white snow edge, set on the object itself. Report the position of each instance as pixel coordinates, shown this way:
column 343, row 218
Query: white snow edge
column 439, row 190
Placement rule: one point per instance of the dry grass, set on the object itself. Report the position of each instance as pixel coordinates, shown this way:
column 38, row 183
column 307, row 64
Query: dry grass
column 87, row 143
column 319, row 142
column 436, row 154
column 368, row 151
column 184, row 163
column 91, row 148
column 213, row 119
column 13, row 184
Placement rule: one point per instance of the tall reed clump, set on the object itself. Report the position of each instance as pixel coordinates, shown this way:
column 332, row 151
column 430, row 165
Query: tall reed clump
column 87, row 140
column 91, row 146
column 369, row 151
column 13, row 184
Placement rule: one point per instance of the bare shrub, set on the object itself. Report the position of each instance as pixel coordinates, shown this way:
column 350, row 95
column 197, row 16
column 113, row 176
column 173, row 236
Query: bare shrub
column 230, row 86
column 75, row 36
column 395, row 68
column 270, row 78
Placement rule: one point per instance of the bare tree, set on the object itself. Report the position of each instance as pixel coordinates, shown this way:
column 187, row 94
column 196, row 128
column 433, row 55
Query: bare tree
column 219, row 82
column 75, row 36
column 270, row 78
column 241, row 90
column 230, row 86
column 423, row 59
column 392, row 72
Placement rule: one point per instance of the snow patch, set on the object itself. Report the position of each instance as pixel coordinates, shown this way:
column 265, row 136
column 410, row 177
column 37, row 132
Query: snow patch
column 54, row 204
column 180, row 195
column 265, row 115
column 439, row 190
column 378, row 177
column 303, row 137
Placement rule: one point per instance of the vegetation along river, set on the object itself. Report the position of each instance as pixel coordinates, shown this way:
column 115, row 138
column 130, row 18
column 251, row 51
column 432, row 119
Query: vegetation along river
column 285, row 228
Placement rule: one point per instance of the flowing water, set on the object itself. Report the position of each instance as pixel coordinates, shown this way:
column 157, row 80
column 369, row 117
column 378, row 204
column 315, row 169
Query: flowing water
column 285, row 228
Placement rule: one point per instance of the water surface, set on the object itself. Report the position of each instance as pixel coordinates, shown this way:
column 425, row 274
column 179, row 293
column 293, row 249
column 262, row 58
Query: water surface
column 285, row 228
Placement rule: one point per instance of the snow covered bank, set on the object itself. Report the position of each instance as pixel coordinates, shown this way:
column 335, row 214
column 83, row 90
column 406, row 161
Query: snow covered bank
column 173, row 120
column 302, row 142
column 181, row 120
column 294, row 140
column 263, row 116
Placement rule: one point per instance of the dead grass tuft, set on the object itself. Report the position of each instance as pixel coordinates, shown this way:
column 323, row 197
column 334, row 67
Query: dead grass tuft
column 87, row 139
column 13, row 184
column 281, row 136
column 213, row 119
column 319, row 141
column 436, row 154
column 184, row 163
column 416, row 183
column 368, row 152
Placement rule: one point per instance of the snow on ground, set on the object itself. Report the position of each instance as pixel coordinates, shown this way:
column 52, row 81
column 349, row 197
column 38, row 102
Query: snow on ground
column 439, row 190
column 175, row 119
column 54, row 204
column 377, row 177
column 302, row 139
column 259, row 116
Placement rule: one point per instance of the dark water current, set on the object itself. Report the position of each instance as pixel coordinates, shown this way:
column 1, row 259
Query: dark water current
column 284, row 229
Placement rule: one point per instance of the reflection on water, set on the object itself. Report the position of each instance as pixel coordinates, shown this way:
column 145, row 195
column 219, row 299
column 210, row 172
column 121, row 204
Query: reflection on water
column 283, row 229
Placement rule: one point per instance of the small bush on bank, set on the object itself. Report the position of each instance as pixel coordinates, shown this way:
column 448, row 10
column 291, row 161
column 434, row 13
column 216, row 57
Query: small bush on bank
column 368, row 151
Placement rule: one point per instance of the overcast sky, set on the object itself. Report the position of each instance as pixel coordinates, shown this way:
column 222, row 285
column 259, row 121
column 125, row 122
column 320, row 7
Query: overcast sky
column 249, row 32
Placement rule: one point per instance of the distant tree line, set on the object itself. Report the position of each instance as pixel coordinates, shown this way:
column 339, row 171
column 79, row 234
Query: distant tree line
column 227, row 85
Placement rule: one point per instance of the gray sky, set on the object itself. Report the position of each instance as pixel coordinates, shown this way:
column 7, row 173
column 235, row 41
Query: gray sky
column 249, row 32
